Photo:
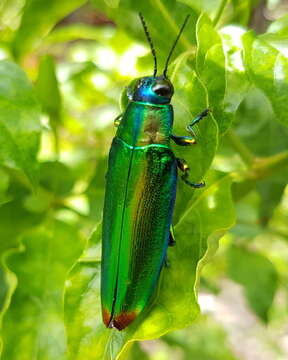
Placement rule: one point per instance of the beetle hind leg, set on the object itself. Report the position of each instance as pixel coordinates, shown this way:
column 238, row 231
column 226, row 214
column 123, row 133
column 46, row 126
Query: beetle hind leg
column 183, row 166
column 172, row 241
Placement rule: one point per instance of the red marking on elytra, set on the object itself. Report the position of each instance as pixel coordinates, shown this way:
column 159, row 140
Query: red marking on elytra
column 120, row 321
column 124, row 319
column 106, row 317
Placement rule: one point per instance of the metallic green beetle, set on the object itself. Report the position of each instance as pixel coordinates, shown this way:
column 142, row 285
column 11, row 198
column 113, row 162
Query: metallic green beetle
column 139, row 197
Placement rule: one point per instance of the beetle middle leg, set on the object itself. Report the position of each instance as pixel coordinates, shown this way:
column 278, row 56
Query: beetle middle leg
column 183, row 166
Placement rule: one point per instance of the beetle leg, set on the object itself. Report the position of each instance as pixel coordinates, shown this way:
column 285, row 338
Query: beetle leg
column 183, row 166
column 117, row 120
column 183, row 140
column 196, row 120
column 166, row 262
column 172, row 241
column 189, row 140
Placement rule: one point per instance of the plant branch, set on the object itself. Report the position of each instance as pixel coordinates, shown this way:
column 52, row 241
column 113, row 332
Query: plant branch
column 266, row 166
column 246, row 155
column 219, row 12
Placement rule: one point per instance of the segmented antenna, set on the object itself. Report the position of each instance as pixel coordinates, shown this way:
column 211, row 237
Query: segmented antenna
column 150, row 43
column 174, row 45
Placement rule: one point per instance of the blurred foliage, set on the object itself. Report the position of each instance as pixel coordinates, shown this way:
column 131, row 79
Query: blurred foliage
column 64, row 68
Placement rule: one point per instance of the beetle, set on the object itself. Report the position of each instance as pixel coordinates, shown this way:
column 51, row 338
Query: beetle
column 140, row 195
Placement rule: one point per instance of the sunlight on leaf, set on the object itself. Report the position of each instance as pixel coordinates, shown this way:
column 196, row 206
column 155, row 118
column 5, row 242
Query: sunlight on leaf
column 268, row 69
column 33, row 321
column 19, row 121
column 35, row 22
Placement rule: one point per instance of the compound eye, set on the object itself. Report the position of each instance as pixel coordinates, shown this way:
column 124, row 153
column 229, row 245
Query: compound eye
column 163, row 90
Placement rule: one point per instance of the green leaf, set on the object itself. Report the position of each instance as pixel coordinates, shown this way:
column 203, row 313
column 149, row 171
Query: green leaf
column 112, row 3
column 207, row 37
column 196, row 90
column 56, row 177
column 76, row 31
column 210, row 60
column 33, row 324
column 37, row 20
column 261, row 135
column 136, row 352
column 205, row 339
column 242, row 11
column 271, row 75
column 208, row 6
column 19, row 121
column 4, row 183
column 237, row 82
column 279, row 27
column 95, row 190
column 271, row 192
column 163, row 19
column 48, row 90
column 199, row 156
column 257, row 275
column 15, row 219
column 197, row 235
column 8, row 283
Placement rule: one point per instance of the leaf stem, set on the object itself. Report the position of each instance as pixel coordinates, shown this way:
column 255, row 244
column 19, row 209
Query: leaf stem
column 266, row 166
column 246, row 155
column 219, row 12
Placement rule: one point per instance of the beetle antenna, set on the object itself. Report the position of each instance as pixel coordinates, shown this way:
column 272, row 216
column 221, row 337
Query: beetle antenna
column 174, row 45
column 150, row 42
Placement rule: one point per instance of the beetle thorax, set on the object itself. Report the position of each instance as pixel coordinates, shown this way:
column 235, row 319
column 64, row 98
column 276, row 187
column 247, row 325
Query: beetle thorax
column 152, row 132
column 145, row 124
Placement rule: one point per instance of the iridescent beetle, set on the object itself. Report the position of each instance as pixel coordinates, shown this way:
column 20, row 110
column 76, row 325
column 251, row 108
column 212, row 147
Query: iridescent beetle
column 140, row 195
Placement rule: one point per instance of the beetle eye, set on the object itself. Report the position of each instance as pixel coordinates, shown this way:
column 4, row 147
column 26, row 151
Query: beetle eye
column 162, row 90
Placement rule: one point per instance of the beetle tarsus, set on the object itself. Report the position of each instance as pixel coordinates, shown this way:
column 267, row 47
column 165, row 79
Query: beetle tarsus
column 196, row 120
column 194, row 185
column 189, row 140
column 172, row 241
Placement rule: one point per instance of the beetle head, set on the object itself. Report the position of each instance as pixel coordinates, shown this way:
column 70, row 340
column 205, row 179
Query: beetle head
column 155, row 90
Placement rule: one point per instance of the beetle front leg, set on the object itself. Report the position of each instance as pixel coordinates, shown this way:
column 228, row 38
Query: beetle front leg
column 183, row 140
column 183, row 166
column 189, row 140
column 196, row 120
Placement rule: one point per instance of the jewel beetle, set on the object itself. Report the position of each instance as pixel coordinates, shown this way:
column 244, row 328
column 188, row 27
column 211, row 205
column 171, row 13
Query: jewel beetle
column 140, row 195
